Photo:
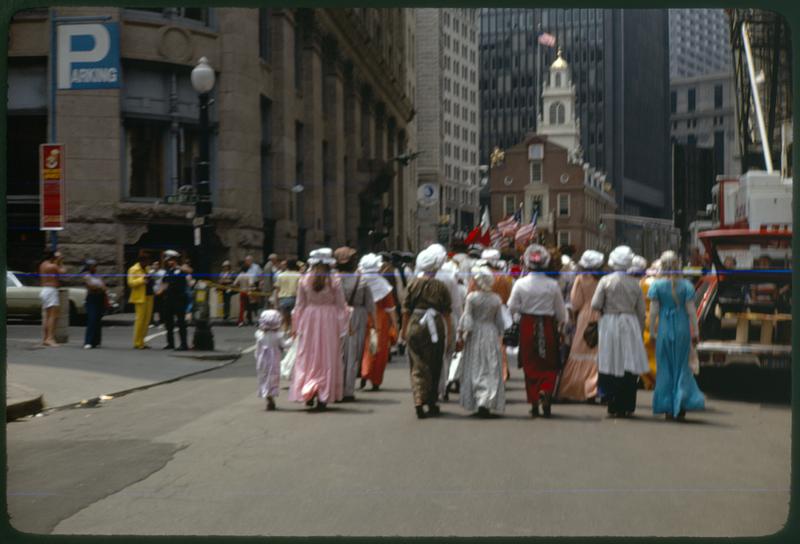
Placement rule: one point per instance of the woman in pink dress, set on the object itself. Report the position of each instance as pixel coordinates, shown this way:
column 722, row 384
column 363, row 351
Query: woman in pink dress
column 579, row 377
column 320, row 320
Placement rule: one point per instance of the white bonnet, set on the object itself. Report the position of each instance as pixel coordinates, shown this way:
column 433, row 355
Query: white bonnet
column 483, row 277
column 621, row 258
column 591, row 259
column 322, row 255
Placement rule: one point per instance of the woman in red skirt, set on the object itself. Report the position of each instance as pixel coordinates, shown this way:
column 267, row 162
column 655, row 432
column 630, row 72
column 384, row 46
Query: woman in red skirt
column 537, row 299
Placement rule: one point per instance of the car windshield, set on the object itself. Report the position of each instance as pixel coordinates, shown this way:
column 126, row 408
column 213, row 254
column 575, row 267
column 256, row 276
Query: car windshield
column 28, row 280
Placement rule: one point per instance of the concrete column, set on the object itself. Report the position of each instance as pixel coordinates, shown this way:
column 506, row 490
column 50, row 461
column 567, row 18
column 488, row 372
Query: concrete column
column 283, row 136
column 353, row 148
column 312, row 146
column 337, row 137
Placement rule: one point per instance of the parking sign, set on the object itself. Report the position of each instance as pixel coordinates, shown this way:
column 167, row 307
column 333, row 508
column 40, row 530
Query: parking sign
column 88, row 56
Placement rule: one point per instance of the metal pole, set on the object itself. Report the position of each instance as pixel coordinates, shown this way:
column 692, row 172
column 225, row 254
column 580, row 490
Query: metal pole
column 762, row 129
column 203, row 336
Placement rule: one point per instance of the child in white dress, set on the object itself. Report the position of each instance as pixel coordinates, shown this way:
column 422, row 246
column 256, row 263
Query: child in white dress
column 270, row 344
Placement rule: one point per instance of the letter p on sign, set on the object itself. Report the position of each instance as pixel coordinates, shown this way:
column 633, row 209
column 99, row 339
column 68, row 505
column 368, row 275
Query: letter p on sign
column 88, row 56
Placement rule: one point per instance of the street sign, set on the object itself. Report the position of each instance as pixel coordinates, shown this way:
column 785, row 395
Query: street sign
column 52, row 209
column 198, row 221
column 88, row 56
column 180, row 199
column 427, row 195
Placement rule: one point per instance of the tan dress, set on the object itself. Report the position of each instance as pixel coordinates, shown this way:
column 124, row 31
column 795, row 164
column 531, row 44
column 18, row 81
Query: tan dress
column 426, row 356
column 579, row 377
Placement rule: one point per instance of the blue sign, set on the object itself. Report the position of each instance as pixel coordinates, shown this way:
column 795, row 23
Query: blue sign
column 88, row 56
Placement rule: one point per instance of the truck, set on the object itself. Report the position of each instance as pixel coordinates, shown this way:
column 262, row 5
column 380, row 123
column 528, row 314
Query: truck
column 744, row 305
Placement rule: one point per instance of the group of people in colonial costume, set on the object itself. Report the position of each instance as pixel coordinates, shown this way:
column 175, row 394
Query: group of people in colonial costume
column 590, row 331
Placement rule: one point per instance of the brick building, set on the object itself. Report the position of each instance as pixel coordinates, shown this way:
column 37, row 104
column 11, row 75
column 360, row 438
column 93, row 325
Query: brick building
column 313, row 99
column 546, row 172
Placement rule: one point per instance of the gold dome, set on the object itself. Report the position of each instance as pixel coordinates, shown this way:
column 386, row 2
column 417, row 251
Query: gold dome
column 559, row 63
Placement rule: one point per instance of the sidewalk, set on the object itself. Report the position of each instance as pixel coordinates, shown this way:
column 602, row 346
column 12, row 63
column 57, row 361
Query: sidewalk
column 45, row 378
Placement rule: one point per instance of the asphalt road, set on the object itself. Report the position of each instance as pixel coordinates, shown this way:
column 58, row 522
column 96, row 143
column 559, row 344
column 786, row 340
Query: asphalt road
column 201, row 456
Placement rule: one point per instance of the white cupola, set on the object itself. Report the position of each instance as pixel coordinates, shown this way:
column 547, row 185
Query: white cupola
column 557, row 120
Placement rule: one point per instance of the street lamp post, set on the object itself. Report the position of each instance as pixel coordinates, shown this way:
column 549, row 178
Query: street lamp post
column 203, row 79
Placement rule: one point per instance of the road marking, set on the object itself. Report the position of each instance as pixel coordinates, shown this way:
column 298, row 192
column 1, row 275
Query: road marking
column 251, row 349
column 156, row 335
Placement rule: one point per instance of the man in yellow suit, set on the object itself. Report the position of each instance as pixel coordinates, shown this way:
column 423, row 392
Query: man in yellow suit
column 141, row 297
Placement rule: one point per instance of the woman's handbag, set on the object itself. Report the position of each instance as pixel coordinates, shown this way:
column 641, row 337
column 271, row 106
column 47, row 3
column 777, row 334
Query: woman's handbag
column 511, row 336
column 590, row 334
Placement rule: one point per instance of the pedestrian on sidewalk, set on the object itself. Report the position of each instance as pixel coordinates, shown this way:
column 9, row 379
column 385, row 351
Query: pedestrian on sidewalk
column 270, row 345
column 256, row 282
column 285, row 290
column 538, row 301
column 427, row 329
column 174, row 288
column 96, row 293
column 376, row 355
column 579, row 378
column 321, row 319
column 49, row 270
column 140, row 282
column 226, row 281
column 673, row 327
column 621, row 357
column 359, row 298
column 481, row 385
column 244, row 282
column 270, row 271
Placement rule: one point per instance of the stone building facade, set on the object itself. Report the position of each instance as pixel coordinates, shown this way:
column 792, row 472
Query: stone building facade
column 447, row 76
column 309, row 110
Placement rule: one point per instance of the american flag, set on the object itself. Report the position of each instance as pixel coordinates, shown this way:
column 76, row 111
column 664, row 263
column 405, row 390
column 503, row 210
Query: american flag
column 508, row 226
column 525, row 232
column 497, row 238
column 547, row 39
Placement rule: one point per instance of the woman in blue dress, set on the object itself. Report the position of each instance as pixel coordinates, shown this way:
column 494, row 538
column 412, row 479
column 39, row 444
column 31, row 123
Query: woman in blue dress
column 673, row 327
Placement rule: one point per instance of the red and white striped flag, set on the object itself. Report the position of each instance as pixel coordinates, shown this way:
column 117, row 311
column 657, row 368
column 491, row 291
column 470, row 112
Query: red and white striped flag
column 497, row 239
column 508, row 227
column 547, row 39
column 526, row 232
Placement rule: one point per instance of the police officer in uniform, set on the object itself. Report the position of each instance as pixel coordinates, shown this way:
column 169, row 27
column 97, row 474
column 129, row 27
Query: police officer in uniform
column 175, row 300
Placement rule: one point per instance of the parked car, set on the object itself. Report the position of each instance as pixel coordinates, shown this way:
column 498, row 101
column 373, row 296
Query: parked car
column 23, row 302
column 744, row 307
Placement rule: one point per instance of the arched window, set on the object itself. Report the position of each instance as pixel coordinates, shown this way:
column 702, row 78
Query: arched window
column 557, row 113
column 558, row 80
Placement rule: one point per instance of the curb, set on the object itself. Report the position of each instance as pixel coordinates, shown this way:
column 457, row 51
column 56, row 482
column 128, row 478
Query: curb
column 20, row 409
column 94, row 401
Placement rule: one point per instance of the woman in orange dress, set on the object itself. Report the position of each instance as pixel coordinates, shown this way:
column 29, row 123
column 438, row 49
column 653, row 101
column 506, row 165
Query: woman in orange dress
column 373, row 364
column 579, row 377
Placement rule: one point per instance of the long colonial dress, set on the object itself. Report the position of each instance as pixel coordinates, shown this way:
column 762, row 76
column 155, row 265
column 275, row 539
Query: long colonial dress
column 621, row 357
column 538, row 300
column 359, row 296
column 320, row 319
column 676, row 388
column 579, row 377
column 482, row 363
column 649, row 378
column 503, row 283
column 373, row 365
column 426, row 299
